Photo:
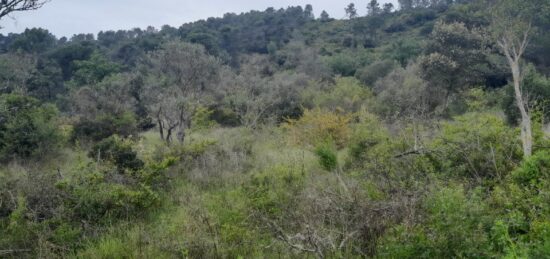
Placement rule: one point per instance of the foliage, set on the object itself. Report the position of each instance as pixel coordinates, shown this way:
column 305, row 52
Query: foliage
column 117, row 151
column 398, row 143
column 317, row 126
column 477, row 146
column 455, row 226
column 93, row 70
column 346, row 95
column 537, row 87
column 202, row 119
column 377, row 70
column 327, row 154
column 28, row 129
column 104, row 126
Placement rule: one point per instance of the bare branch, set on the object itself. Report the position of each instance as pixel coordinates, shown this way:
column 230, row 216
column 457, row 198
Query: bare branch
column 10, row 6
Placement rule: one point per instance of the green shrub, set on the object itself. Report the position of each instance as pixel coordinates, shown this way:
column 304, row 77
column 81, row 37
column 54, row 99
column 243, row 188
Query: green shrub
column 454, row 227
column 533, row 170
column 318, row 126
column 479, row 146
column 370, row 74
column 202, row 119
column 104, row 126
column 117, row 151
column 28, row 129
column 327, row 155
column 348, row 94
column 370, row 146
column 343, row 64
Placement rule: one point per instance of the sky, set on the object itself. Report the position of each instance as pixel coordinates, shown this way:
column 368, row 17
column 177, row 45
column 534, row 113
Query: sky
column 69, row 17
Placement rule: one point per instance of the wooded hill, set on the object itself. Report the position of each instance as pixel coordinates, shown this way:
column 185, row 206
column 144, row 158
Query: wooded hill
column 419, row 131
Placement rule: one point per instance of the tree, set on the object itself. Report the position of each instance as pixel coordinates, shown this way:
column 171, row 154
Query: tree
column 33, row 41
column 388, row 8
column 256, row 96
column 512, row 28
column 15, row 72
column 454, row 59
column 28, row 129
column 308, row 12
column 181, row 76
column 325, row 17
column 94, row 69
column 405, row 4
column 10, row 6
column 351, row 12
column 373, row 8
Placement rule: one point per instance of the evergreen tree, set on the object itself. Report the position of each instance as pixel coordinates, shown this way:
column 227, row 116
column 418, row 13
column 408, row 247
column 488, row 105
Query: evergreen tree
column 373, row 8
column 351, row 12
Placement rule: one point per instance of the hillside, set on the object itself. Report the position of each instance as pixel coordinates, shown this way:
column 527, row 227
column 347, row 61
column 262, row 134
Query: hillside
column 413, row 132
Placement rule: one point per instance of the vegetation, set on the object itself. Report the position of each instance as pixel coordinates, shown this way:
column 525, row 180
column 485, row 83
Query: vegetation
column 416, row 132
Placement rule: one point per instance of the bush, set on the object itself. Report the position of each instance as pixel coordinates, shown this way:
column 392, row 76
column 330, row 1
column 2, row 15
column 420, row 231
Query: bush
column 454, row 228
column 533, row 170
column 343, row 64
column 327, row 155
column 370, row 148
column 202, row 119
column 348, row 94
column 28, row 129
column 104, row 126
column 117, row 151
column 479, row 146
column 370, row 74
column 99, row 194
column 318, row 126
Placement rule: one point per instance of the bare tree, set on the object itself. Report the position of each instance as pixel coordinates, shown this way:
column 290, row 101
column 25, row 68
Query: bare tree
column 10, row 6
column 511, row 25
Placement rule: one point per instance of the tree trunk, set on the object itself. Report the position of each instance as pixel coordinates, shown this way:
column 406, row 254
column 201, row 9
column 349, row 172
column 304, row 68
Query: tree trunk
column 161, row 129
column 526, row 133
column 169, row 136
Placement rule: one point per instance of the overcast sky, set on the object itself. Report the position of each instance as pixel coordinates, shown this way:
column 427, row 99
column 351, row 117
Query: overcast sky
column 68, row 17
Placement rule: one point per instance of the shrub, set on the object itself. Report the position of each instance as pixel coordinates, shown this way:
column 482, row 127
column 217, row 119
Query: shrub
column 478, row 146
column 28, row 129
column 318, row 126
column 100, row 194
column 348, row 94
column 454, row 228
column 327, row 155
column 117, row 151
column 370, row 146
column 202, row 119
column 370, row 74
column 343, row 64
column 104, row 126
column 533, row 170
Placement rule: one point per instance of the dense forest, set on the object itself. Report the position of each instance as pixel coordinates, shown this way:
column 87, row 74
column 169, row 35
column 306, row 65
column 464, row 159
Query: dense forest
column 416, row 131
